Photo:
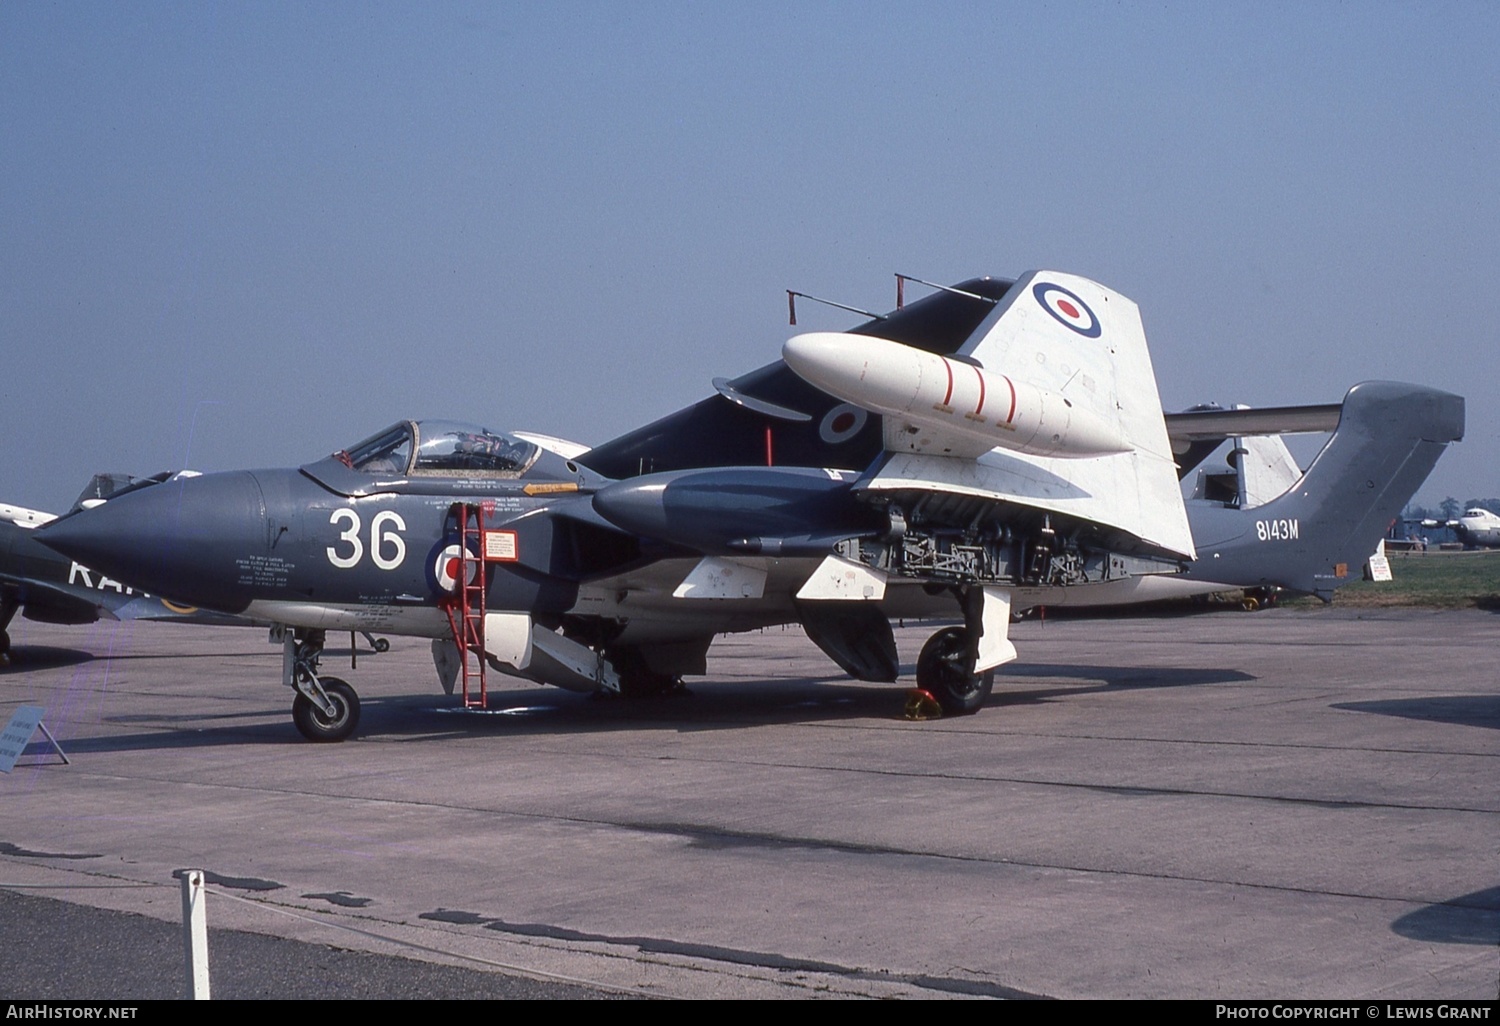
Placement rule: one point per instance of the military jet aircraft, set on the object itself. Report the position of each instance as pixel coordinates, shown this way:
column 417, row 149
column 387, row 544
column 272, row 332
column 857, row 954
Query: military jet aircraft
column 997, row 437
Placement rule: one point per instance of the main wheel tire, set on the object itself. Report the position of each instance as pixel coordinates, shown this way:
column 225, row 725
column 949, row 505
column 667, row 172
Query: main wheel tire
column 316, row 725
column 942, row 671
column 381, row 645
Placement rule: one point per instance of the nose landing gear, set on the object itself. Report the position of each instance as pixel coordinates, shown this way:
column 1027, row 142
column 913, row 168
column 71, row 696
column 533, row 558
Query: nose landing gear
column 318, row 724
column 325, row 708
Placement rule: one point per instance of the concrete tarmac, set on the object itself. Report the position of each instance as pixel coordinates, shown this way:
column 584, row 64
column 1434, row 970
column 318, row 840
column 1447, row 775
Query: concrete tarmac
column 1275, row 805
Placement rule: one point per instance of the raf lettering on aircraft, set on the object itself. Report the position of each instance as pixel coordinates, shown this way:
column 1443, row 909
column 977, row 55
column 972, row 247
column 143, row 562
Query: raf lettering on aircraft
column 79, row 572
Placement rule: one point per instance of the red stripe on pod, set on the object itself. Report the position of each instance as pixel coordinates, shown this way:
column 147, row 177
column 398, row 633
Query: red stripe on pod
column 1011, row 416
column 980, row 375
column 948, row 395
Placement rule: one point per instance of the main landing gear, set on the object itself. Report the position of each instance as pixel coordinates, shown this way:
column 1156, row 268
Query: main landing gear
column 326, row 708
column 957, row 665
column 944, row 670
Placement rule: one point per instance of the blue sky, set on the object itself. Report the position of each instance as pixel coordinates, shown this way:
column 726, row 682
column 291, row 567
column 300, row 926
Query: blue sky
column 249, row 234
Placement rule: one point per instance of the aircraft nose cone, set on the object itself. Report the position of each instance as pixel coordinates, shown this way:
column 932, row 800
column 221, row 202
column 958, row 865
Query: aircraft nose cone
column 191, row 539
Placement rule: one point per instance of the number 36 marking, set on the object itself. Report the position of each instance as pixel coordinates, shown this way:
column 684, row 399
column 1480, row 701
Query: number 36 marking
column 381, row 541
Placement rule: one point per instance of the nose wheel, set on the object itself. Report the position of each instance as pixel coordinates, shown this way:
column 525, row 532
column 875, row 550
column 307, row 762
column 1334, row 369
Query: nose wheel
column 325, row 708
column 317, row 724
column 945, row 670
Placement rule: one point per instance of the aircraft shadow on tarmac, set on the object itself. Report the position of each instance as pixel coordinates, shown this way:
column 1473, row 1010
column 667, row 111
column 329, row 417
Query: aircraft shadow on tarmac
column 731, row 705
column 1126, row 676
column 188, row 733
column 32, row 658
column 427, row 717
column 711, row 705
column 28, row 658
column 1462, row 710
column 1470, row 919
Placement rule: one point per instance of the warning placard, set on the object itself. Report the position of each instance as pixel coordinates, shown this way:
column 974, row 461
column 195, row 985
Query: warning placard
column 17, row 733
column 500, row 547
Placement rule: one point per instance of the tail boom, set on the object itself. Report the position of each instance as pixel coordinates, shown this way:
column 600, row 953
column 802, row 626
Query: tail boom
column 1388, row 439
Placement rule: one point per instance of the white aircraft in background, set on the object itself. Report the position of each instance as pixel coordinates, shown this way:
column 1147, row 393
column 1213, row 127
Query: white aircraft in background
column 1477, row 528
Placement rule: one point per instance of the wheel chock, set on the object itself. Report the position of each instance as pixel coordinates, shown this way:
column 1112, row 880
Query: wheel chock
column 920, row 705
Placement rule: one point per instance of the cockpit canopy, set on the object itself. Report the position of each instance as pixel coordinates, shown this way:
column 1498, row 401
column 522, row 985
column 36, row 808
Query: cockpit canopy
column 441, row 448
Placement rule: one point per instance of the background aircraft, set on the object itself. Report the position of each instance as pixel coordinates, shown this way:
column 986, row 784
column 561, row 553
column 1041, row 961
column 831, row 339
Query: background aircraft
column 1477, row 528
column 878, row 478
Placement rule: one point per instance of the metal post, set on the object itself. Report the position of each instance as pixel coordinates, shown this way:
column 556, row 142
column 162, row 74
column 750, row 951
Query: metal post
column 195, row 933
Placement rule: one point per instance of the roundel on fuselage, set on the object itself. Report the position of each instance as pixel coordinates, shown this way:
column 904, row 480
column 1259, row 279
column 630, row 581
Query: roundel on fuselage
column 446, row 567
column 842, row 423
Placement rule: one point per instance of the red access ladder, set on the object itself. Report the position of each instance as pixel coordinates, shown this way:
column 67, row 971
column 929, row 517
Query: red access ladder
column 465, row 608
